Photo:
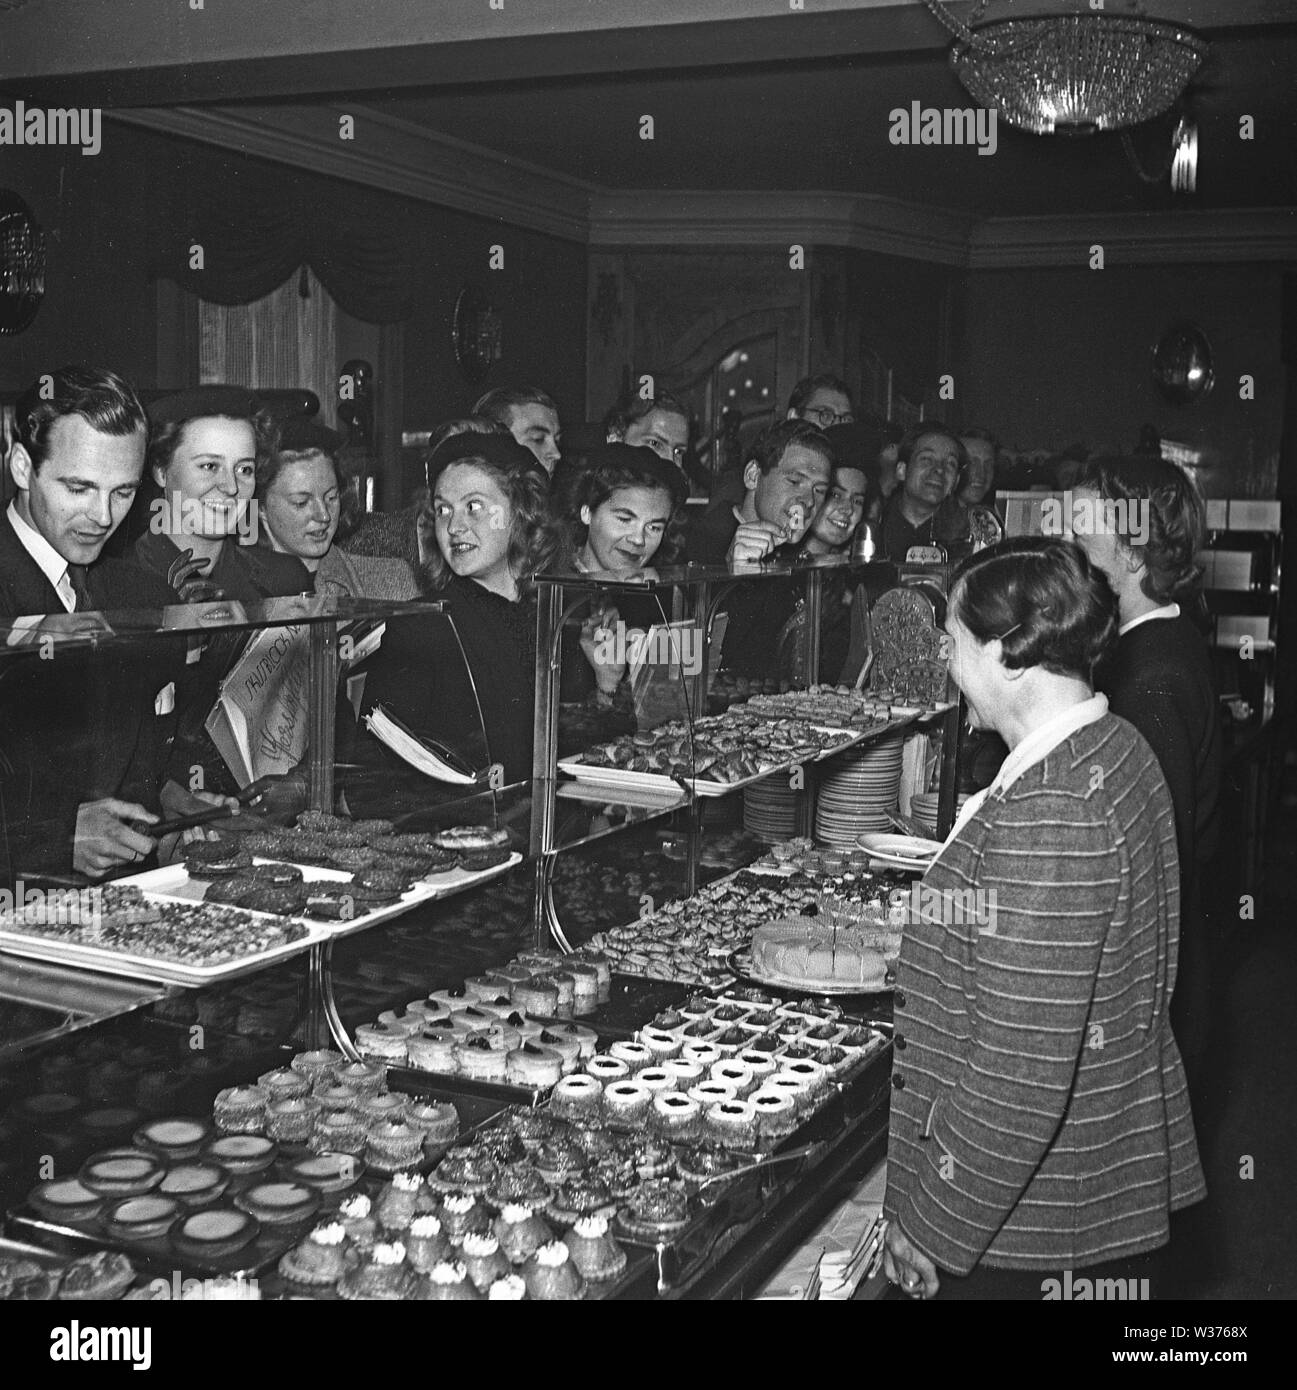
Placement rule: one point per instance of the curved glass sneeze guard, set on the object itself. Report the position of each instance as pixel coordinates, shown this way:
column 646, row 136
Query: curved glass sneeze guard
column 96, row 629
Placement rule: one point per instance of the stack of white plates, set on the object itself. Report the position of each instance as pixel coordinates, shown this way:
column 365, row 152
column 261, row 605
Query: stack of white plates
column 856, row 796
column 770, row 810
column 923, row 807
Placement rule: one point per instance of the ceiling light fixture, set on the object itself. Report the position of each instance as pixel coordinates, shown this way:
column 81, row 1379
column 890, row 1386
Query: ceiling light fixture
column 1076, row 73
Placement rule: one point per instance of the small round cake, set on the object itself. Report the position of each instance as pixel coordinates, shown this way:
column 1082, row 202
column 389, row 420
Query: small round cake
column 465, row 1171
column 437, row 1120
column 478, row 1059
column 389, row 1105
column 318, row 1064
column 734, row 1073
column 706, row 1054
column 292, row 1121
column 98, row 1277
column 398, row 1201
column 594, row 1252
column 357, row 1216
column 426, row 1244
column 194, row 1184
column 141, row 1218
column 447, row 1282
column 338, row 1131
column 461, row 1214
column 122, row 1172
column 608, row 1069
column 483, row 1259
column 635, row 1054
column 760, row 1064
column 734, row 1124
column 336, row 1099
column 656, row 1079
column 240, row 1110
column 567, row 1048
column 577, row 1095
column 328, row 1172
column 402, row 1024
column 675, row 1116
column 709, row 1093
column 585, row 979
column 279, row 1203
column 320, row 1259
column 534, row 1064
column 684, row 1072
column 393, row 1144
column 550, row 1274
column 214, row 1234
column 776, row 1116
column 242, row 1153
column 284, row 1084
column 797, row 1088
column 174, row 1139
column 377, row 1044
column 662, row 1044
column 66, row 1200
column 536, row 996
column 626, row 1102
column 382, row 1274
column 433, row 1051
column 511, row 1289
column 362, row 1077
column 521, row 1232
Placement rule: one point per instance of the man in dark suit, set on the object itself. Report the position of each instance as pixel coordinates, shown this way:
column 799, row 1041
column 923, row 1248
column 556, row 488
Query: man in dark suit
column 82, row 732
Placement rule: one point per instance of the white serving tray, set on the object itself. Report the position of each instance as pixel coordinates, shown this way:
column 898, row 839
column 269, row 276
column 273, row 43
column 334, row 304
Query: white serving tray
column 174, row 972
column 173, row 881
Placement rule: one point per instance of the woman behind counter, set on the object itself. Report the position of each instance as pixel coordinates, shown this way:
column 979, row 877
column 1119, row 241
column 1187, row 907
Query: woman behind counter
column 492, row 529
column 1040, row 1120
column 204, row 449
column 302, row 495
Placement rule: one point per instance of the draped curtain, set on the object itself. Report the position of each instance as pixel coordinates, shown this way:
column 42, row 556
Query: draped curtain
column 233, row 233
column 288, row 339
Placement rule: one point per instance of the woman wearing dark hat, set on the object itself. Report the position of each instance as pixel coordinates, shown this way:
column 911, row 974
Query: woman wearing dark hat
column 492, row 530
column 303, row 495
column 204, row 448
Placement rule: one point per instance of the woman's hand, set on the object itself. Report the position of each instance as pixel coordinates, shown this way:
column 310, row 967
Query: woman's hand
column 186, row 578
column 905, row 1264
column 598, row 634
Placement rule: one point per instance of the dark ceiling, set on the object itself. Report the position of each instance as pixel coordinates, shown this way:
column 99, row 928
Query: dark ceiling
column 823, row 125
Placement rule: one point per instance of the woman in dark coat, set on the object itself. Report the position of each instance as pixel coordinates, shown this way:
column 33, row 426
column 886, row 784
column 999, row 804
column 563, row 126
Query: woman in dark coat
column 492, row 529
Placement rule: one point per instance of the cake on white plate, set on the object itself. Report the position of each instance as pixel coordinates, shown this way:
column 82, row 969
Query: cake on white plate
column 804, row 953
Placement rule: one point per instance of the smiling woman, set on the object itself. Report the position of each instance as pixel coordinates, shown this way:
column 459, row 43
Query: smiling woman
column 204, row 448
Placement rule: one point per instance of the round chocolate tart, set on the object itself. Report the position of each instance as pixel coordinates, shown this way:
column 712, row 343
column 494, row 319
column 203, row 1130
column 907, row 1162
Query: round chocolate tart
column 326, row 1172
column 242, row 1153
column 174, row 1138
column 65, row 1199
column 279, row 1203
column 141, row 1218
column 122, row 1172
column 208, row 1235
column 195, row 1184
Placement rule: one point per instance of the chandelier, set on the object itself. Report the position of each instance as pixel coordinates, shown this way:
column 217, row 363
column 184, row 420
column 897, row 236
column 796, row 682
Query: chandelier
column 1076, row 73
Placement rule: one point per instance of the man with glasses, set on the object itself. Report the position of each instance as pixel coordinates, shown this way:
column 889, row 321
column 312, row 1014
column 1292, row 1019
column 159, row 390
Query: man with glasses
column 930, row 461
column 823, row 401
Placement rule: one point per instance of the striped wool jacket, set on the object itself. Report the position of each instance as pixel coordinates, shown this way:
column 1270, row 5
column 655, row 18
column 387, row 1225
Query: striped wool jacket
column 1039, row 1113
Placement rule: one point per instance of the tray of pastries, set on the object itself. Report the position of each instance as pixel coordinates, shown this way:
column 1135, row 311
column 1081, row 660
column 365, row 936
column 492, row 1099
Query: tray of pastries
column 120, row 929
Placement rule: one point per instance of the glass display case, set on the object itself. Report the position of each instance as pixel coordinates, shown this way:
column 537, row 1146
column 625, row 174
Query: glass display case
column 588, row 849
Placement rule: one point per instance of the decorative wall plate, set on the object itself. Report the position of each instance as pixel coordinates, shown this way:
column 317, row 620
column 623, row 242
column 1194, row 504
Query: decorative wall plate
column 22, row 264
column 478, row 332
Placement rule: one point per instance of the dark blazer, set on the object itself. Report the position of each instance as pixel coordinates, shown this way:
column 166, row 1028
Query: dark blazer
column 1160, row 680
column 80, row 725
column 420, row 677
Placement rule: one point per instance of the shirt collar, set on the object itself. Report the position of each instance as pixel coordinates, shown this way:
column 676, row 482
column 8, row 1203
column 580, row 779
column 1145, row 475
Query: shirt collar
column 1043, row 740
column 53, row 565
column 1167, row 610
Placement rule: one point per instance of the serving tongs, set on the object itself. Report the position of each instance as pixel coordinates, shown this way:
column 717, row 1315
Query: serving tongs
column 253, row 793
column 789, row 1156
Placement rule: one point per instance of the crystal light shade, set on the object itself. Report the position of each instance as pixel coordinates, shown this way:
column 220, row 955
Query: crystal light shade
column 1080, row 72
